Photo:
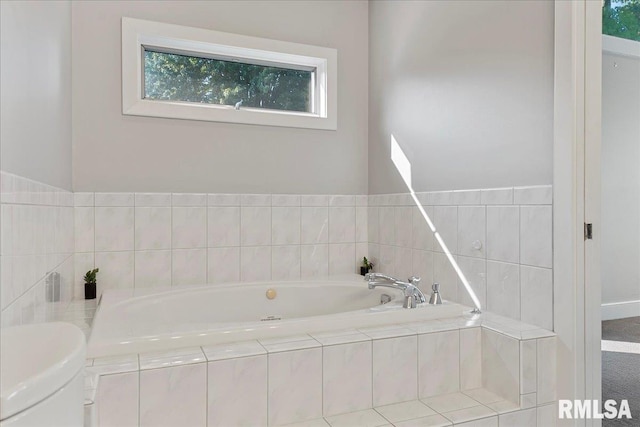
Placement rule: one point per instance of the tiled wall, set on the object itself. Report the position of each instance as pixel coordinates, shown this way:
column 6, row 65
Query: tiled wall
column 501, row 239
column 146, row 240
column 459, row 368
column 36, row 239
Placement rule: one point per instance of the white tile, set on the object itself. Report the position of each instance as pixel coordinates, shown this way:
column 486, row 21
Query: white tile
column 450, row 402
column 255, row 226
column 387, row 225
column 373, row 232
column 475, row 271
column 525, row 418
column 467, row 197
column 423, row 268
column 403, row 225
column 536, row 293
column 285, row 226
column 118, row 397
column 114, row 229
column 83, row 262
column 422, row 236
column 528, row 368
column 285, row 262
column 366, row 418
column 288, row 344
column 387, row 259
column 153, row 228
column 362, row 200
column 472, row 231
column 483, row 396
column 430, row 421
column 546, row 367
column 341, row 258
column 285, row 200
column 314, row 225
column 233, row 350
column 394, row 370
column 501, row 364
column 497, row 196
column 237, row 392
column 82, row 199
column 314, row 200
column 347, row 336
column 314, row 261
column 477, row 414
column 189, row 199
column 289, row 404
column 546, row 416
column 346, row 378
column 470, row 358
column 342, row 200
column 383, row 332
column 177, row 357
column 84, row 231
column 113, row 199
column 536, row 236
column 503, row 233
column 504, row 406
column 152, row 269
column 189, row 227
column 441, row 350
column 163, row 391
column 318, row 422
column 445, row 275
column 342, row 224
column 362, row 227
column 529, row 400
column 153, row 199
column 535, row 195
column 255, row 263
column 405, row 411
column 403, row 262
column 223, row 200
column 445, row 219
column 425, row 198
column 442, row 198
column 189, row 267
column 223, row 226
column 116, row 270
column 223, row 265
column 503, row 289
column 255, row 200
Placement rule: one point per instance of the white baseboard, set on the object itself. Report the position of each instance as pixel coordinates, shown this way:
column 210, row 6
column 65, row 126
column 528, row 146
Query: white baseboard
column 620, row 310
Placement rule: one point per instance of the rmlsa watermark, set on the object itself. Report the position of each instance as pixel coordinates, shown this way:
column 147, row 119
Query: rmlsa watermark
column 591, row 409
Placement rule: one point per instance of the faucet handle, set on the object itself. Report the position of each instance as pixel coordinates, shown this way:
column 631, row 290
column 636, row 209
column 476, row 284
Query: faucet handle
column 435, row 287
column 414, row 280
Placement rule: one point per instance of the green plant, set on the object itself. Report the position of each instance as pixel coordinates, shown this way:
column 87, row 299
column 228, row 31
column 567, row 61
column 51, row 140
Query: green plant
column 90, row 277
column 367, row 264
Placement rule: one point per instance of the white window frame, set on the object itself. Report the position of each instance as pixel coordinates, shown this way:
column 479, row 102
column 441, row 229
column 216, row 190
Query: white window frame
column 136, row 34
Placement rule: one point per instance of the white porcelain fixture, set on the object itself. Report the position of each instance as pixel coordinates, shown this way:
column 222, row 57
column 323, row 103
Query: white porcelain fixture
column 41, row 377
column 205, row 315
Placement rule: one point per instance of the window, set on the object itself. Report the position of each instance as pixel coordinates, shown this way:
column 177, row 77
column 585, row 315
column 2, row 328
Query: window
column 189, row 73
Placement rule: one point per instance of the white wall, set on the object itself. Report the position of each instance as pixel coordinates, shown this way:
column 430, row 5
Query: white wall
column 35, row 115
column 112, row 152
column 466, row 88
column 620, row 178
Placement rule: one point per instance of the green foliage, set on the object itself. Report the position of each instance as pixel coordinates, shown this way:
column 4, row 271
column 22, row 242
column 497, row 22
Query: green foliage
column 212, row 81
column 90, row 276
column 622, row 19
column 367, row 264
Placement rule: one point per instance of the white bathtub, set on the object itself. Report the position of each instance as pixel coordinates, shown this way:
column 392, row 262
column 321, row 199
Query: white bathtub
column 127, row 323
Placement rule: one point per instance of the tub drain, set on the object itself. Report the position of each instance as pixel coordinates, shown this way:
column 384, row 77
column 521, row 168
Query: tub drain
column 270, row 318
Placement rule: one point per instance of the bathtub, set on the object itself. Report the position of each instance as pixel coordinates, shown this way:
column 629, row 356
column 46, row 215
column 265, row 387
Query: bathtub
column 129, row 322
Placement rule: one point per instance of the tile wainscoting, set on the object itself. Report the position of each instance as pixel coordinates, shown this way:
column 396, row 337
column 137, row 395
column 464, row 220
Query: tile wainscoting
column 501, row 239
column 439, row 372
column 146, row 240
column 36, row 250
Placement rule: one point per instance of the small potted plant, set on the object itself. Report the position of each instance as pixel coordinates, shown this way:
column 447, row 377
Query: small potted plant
column 367, row 266
column 90, row 284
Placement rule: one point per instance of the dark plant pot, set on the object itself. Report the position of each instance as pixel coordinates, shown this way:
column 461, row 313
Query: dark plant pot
column 364, row 270
column 89, row 291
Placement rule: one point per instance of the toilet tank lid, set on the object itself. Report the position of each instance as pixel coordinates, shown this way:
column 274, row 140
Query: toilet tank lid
column 36, row 361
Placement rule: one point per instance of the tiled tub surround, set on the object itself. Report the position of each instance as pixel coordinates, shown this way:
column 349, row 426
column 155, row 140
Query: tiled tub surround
column 36, row 240
column 146, row 240
column 501, row 239
column 461, row 371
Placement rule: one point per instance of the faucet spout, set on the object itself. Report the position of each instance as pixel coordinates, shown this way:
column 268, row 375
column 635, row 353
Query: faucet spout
column 412, row 294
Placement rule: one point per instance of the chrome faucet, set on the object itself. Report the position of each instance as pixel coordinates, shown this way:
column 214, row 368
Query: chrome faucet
column 412, row 294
